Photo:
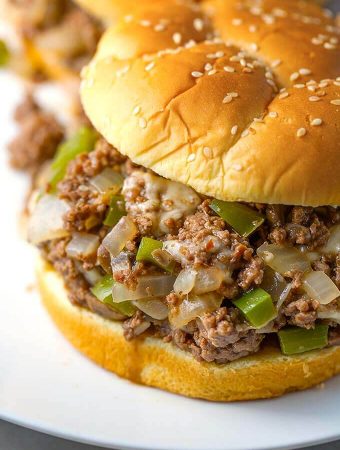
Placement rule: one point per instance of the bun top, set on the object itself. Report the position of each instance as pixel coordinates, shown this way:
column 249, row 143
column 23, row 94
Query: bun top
column 252, row 116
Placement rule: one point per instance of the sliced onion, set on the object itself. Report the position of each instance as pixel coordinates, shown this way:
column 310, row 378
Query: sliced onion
column 46, row 221
column 333, row 243
column 283, row 259
column 185, row 281
column 108, row 180
column 276, row 286
column 311, row 256
column 284, row 295
column 154, row 308
column 148, row 286
column 120, row 262
column 320, row 287
column 124, row 231
column 330, row 315
column 192, row 307
column 104, row 259
column 208, row 280
column 162, row 258
column 91, row 276
column 82, row 245
column 177, row 250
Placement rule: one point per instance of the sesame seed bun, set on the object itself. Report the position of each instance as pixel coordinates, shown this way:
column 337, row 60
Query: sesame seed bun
column 221, row 121
column 152, row 362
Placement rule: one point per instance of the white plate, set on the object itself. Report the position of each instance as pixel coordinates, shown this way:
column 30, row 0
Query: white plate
column 46, row 385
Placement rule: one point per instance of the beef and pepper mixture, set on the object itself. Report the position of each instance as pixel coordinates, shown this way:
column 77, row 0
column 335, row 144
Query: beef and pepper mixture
column 215, row 278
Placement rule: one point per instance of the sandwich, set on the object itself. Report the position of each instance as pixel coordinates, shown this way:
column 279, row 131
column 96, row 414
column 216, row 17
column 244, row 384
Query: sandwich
column 189, row 237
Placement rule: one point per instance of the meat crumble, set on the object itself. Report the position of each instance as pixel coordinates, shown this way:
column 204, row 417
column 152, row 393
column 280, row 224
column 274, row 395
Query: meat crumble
column 39, row 135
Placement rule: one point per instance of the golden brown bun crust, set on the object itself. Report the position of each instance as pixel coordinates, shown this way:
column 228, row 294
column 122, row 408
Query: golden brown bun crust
column 155, row 363
column 144, row 93
column 281, row 31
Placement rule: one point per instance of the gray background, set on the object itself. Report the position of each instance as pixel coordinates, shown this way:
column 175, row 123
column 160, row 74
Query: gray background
column 13, row 437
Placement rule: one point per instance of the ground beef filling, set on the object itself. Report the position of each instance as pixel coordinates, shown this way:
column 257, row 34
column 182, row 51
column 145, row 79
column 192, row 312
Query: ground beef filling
column 38, row 138
column 195, row 238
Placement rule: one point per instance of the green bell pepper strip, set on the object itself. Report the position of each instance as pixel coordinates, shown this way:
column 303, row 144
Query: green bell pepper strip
column 299, row 340
column 241, row 218
column 4, row 54
column 125, row 308
column 257, row 307
column 102, row 290
column 146, row 248
column 116, row 211
column 82, row 142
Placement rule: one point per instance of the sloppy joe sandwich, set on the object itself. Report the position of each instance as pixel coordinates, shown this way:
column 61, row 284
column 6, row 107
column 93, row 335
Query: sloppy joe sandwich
column 190, row 236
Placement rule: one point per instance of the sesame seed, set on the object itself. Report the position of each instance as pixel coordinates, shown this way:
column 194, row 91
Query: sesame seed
column 211, row 55
column 191, row 43
column 337, row 79
column 145, row 23
column 196, row 74
column 268, row 19
column 336, row 83
column 247, row 70
column 212, row 72
column 305, row 71
column 233, row 94
column 150, row 66
column 329, row 46
column 219, row 54
column 237, row 22
column 283, row 95
column 301, row 132
column 336, row 102
column 294, row 76
column 254, row 47
column 208, row 152
column 191, row 157
column 227, row 99
column 142, row 123
column 269, row 75
column 136, row 110
column 271, row 82
column 228, row 69
column 177, row 38
column 316, row 41
column 159, row 27
column 243, row 62
column 311, row 88
column 273, row 114
column 198, row 24
column 276, row 62
column 316, row 122
column 299, row 86
column 323, row 84
column 245, row 133
column 208, row 66
column 237, row 167
column 334, row 40
column 314, row 98
column 234, row 130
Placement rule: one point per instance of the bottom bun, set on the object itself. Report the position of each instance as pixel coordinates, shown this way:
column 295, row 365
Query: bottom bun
column 152, row 362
